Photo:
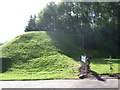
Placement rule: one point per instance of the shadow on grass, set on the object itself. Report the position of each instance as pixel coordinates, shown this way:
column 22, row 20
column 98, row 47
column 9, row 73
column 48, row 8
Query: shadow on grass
column 114, row 61
column 5, row 64
column 66, row 44
column 103, row 61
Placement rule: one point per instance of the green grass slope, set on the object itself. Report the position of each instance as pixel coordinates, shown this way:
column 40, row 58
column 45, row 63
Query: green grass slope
column 1, row 44
column 47, row 55
column 34, row 55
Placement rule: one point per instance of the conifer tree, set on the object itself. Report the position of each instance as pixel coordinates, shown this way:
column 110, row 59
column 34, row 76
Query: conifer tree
column 31, row 24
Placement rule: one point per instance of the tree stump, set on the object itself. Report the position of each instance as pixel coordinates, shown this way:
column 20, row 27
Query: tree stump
column 84, row 69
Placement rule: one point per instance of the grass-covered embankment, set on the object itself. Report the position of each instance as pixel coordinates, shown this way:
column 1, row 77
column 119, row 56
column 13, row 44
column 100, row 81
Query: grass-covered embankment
column 46, row 55
column 33, row 55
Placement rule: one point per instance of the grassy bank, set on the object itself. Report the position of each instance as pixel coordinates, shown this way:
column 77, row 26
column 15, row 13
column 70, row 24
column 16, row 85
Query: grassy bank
column 34, row 55
column 46, row 55
column 99, row 66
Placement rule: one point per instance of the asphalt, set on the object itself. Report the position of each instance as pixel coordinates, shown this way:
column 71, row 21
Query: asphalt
column 63, row 83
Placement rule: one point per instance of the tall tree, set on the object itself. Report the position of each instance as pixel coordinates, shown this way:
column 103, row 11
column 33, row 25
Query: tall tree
column 95, row 24
column 31, row 24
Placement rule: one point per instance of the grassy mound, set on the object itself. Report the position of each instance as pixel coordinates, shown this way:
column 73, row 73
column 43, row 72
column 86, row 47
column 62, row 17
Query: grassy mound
column 47, row 55
column 34, row 54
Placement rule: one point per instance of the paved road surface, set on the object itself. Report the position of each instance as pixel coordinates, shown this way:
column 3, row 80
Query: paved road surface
column 79, row 83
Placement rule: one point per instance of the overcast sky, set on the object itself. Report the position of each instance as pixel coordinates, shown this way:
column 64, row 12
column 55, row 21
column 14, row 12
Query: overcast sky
column 14, row 16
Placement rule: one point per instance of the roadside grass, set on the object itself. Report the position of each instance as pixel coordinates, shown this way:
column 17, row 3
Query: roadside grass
column 101, row 65
column 36, row 75
column 51, row 67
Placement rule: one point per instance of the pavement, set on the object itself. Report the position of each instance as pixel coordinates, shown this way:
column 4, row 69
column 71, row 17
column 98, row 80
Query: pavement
column 62, row 83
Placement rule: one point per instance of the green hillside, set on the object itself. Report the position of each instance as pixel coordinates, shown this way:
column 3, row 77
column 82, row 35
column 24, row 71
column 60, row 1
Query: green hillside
column 35, row 54
column 47, row 55
column 1, row 44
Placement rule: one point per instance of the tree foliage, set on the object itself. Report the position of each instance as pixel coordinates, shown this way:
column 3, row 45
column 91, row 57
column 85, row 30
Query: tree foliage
column 31, row 24
column 94, row 23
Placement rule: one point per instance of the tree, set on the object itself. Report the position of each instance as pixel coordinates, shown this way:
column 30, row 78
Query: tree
column 31, row 24
column 47, row 18
column 95, row 24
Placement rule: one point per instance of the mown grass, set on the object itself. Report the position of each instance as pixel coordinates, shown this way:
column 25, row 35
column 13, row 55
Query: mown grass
column 33, row 55
column 52, row 67
column 99, row 66
column 102, row 66
column 36, row 76
column 43, row 55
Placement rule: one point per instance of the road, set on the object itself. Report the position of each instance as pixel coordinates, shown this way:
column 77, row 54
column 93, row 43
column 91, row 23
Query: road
column 71, row 83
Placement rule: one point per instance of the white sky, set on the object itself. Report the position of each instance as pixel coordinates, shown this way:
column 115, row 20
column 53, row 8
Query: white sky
column 14, row 16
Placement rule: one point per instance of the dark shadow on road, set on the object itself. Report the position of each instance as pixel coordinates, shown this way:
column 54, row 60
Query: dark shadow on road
column 97, row 76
